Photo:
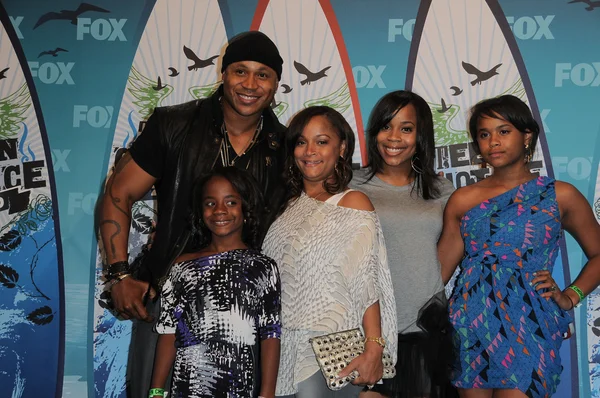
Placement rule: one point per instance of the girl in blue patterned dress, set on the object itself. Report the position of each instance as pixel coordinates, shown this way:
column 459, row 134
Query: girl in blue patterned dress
column 508, row 314
column 219, row 320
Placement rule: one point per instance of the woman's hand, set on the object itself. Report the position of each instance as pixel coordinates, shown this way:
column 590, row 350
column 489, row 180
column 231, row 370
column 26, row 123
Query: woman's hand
column 544, row 280
column 368, row 365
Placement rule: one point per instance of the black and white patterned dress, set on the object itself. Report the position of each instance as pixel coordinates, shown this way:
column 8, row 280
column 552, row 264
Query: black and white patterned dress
column 220, row 308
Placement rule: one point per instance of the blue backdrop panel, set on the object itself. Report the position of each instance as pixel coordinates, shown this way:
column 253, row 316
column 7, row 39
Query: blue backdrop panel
column 82, row 62
column 31, row 288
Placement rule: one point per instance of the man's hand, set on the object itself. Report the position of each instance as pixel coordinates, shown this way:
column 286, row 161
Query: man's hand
column 128, row 299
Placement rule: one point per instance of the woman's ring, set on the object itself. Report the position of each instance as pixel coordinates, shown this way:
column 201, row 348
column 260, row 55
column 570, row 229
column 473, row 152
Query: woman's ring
column 553, row 288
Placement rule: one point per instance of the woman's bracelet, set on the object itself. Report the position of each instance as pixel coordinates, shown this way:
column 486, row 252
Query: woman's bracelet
column 156, row 392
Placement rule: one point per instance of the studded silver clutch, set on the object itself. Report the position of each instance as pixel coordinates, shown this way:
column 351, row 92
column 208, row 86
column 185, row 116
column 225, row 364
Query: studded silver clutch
column 335, row 351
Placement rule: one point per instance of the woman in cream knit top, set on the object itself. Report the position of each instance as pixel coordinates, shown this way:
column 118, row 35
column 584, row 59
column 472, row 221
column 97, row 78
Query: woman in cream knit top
column 329, row 247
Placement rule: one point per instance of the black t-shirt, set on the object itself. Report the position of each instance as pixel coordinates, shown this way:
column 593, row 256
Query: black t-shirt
column 157, row 152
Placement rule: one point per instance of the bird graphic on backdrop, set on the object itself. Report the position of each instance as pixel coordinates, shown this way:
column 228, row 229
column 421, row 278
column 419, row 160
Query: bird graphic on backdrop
column 3, row 73
column 286, row 88
column 456, row 90
column 480, row 76
column 275, row 104
column 159, row 85
column 591, row 4
column 444, row 107
column 173, row 72
column 54, row 52
column 68, row 15
column 198, row 63
column 310, row 76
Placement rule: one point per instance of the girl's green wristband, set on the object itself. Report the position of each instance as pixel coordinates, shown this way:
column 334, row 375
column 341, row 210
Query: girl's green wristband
column 160, row 392
column 578, row 291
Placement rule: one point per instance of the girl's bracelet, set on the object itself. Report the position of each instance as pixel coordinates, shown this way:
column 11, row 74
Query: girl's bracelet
column 156, row 392
column 578, row 291
column 572, row 303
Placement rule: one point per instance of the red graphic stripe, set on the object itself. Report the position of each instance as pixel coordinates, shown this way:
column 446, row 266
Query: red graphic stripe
column 339, row 41
column 261, row 7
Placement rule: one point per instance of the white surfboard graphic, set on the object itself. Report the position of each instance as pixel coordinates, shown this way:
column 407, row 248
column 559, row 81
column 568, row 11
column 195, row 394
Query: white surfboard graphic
column 316, row 69
column 176, row 61
column 455, row 69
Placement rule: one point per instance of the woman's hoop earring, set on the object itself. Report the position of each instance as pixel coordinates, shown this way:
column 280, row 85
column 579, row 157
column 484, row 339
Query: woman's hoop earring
column 336, row 171
column 339, row 172
column 476, row 160
column 292, row 172
column 414, row 166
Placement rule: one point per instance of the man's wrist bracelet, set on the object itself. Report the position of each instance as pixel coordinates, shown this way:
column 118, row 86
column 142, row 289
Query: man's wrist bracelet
column 156, row 392
column 120, row 277
column 117, row 268
column 112, row 282
column 116, row 275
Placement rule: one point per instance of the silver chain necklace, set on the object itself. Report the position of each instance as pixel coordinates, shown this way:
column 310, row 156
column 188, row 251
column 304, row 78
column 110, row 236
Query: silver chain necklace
column 225, row 144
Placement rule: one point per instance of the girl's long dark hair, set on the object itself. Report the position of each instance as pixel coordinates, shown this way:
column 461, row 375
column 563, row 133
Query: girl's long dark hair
column 252, row 207
column 425, row 183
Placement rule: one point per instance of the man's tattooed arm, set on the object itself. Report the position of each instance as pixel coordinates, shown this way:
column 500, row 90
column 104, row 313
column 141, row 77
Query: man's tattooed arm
column 127, row 184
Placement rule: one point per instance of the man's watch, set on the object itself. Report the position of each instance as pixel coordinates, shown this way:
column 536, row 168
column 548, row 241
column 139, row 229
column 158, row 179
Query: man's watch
column 378, row 340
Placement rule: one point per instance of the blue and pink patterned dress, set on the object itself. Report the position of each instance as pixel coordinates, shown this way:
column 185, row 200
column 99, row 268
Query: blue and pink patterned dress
column 505, row 334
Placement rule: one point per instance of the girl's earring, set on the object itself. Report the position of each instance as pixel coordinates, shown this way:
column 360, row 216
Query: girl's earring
column 476, row 160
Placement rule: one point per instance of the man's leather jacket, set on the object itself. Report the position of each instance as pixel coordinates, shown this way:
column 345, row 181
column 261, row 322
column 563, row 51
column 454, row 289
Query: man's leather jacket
column 188, row 137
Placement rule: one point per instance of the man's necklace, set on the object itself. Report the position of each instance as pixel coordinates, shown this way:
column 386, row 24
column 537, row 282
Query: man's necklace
column 226, row 144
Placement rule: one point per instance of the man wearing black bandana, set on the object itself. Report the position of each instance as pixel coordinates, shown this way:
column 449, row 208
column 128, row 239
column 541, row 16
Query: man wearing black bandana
column 234, row 127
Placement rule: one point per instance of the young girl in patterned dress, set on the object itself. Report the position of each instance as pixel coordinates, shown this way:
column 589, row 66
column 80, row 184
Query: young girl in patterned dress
column 507, row 311
column 219, row 320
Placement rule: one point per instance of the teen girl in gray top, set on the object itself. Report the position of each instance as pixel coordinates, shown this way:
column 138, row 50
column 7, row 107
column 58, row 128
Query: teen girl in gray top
column 409, row 198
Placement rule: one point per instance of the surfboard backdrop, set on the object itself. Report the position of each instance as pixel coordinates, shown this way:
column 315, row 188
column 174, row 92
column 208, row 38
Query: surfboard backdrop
column 31, row 298
column 454, row 66
column 176, row 61
column 316, row 67
column 96, row 67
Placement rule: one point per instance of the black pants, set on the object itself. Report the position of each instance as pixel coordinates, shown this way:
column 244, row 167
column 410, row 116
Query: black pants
column 142, row 348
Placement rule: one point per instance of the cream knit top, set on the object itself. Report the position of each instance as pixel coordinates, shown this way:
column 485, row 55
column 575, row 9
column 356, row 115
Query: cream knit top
column 333, row 266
